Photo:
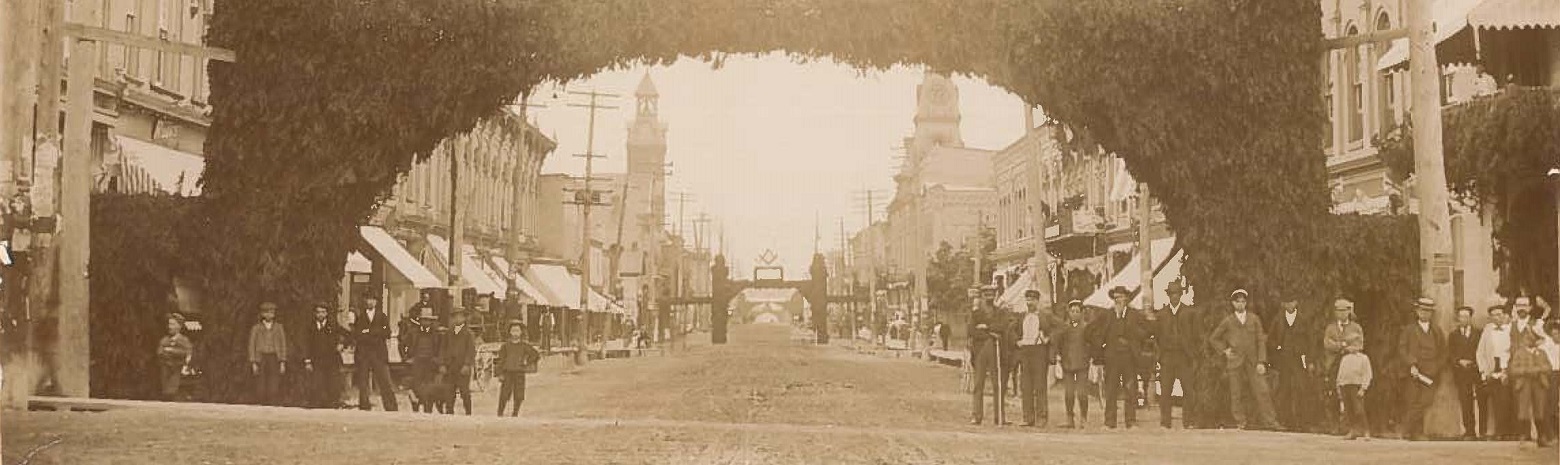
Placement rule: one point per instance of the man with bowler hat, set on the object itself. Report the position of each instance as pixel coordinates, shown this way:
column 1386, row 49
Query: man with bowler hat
column 422, row 348
column 1117, row 338
column 1291, row 344
column 1176, row 329
column 371, row 359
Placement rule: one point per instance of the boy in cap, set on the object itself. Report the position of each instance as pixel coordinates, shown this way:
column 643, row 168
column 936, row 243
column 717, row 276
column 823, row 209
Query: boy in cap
column 460, row 354
column 1242, row 341
column 515, row 358
column 268, row 355
column 1422, row 348
column 1342, row 337
column 1072, row 353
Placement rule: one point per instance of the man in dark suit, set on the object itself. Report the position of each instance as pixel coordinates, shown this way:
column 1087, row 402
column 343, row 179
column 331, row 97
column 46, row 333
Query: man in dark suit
column 370, row 330
column 985, row 331
column 460, row 356
column 1463, row 347
column 1241, row 339
column 1291, row 344
column 1117, row 337
column 322, row 341
column 1175, row 327
column 422, row 348
column 1422, row 349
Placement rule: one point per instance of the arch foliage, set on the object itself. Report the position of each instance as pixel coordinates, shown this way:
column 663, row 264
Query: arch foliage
column 1214, row 104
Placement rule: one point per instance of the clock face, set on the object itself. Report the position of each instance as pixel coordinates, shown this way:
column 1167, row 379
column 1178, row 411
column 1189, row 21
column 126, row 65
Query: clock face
column 938, row 96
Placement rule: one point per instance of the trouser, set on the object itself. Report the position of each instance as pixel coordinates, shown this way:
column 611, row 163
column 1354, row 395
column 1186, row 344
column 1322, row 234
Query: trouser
column 1498, row 409
column 1293, row 400
column 985, row 363
column 1034, row 367
column 1530, row 393
column 377, row 371
column 424, row 373
column 325, row 385
column 1245, row 382
column 1419, row 397
column 269, row 380
column 1077, row 383
column 1353, row 409
column 1120, row 376
column 511, row 387
column 462, row 385
column 1172, row 369
column 171, row 375
column 1552, row 406
column 1465, row 380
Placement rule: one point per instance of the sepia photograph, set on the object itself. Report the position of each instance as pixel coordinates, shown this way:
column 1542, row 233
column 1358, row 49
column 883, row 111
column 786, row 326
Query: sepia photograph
column 920, row 232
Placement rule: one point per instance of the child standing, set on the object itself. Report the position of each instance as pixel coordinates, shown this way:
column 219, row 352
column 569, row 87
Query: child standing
column 1073, row 357
column 1354, row 376
column 173, row 352
column 516, row 358
column 1530, row 380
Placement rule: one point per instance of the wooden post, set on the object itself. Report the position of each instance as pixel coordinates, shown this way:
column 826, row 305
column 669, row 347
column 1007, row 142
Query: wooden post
column 72, row 349
column 19, row 63
column 43, row 192
column 1040, row 264
column 1435, row 233
column 1145, row 210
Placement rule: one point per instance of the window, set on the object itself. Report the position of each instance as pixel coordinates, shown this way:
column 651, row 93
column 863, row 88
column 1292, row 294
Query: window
column 132, row 55
column 1356, row 98
column 1388, row 98
column 1446, row 88
column 1331, row 111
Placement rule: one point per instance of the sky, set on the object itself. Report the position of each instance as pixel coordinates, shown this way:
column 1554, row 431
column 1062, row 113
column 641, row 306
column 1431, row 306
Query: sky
column 766, row 145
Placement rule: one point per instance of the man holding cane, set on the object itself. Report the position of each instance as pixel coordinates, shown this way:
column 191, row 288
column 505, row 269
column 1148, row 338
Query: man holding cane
column 985, row 356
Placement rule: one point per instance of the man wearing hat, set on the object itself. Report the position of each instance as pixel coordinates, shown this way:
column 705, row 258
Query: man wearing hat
column 985, row 334
column 371, row 358
column 1116, row 338
column 1176, row 329
column 1034, row 331
column 1071, row 350
column 268, row 355
column 1422, row 348
column 323, row 339
column 1241, row 339
column 1291, row 340
column 422, row 348
column 460, row 355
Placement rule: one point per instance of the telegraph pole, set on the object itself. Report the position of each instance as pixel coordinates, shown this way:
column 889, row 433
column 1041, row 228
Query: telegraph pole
column 457, row 149
column 589, row 199
column 872, row 265
column 679, row 286
column 19, row 70
column 517, row 205
column 1145, row 210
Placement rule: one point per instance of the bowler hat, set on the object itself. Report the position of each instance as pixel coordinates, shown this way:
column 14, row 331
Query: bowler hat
column 1032, row 293
column 1175, row 286
column 1425, row 302
column 1119, row 290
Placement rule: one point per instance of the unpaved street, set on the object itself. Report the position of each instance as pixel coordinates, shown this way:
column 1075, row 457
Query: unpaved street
column 760, row 399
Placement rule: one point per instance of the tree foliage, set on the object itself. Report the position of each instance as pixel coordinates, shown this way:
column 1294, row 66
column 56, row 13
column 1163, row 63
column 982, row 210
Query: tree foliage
column 1498, row 150
column 1213, row 103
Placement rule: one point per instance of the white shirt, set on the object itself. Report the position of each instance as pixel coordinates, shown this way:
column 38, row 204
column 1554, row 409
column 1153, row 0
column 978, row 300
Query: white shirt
column 1551, row 349
column 458, row 328
column 370, row 313
column 1032, row 333
column 1424, row 326
column 1241, row 317
column 1290, row 317
column 1496, row 343
column 267, row 324
column 319, row 325
column 1175, row 309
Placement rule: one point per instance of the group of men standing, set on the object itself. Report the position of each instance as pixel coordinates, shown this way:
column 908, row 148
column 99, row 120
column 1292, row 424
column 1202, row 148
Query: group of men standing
column 441, row 359
column 1297, row 372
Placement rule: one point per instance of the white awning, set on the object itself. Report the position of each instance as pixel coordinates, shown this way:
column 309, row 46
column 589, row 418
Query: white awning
column 1131, row 277
column 1013, row 298
column 1516, row 14
column 471, row 272
column 357, row 263
column 530, row 291
column 391, row 251
column 487, row 270
column 556, row 282
column 175, row 172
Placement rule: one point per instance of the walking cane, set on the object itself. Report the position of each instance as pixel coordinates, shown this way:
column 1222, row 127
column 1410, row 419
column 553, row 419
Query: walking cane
column 1001, row 417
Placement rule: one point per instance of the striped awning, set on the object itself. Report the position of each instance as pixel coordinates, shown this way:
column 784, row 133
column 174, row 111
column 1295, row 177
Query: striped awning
column 1516, row 14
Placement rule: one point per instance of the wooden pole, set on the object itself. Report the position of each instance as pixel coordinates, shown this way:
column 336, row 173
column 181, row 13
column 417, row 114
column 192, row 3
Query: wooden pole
column 44, row 196
column 19, row 68
column 1435, row 234
column 1145, row 212
column 1040, row 264
column 72, row 351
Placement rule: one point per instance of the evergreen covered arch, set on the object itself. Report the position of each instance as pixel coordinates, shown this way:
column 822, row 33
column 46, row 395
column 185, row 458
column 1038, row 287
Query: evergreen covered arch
column 1215, row 104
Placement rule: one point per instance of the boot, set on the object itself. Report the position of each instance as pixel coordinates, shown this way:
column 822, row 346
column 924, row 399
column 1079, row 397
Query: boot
column 1070, row 423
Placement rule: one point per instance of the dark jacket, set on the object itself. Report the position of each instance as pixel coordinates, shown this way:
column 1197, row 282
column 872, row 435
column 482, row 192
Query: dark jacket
column 1427, row 351
column 1464, row 348
column 1179, row 335
column 1286, row 343
column 460, row 348
column 1247, row 340
column 1071, row 346
column 422, row 344
column 1117, row 341
column 319, row 344
column 369, row 337
column 514, row 357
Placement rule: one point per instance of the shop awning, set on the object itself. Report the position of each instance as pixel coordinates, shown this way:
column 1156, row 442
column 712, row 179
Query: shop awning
column 518, row 282
column 1131, row 277
column 470, row 267
column 1515, row 14
column 1013, row 298
column 487, row 270
column 175, row 172
column 556, row 282
column 1450, row 16
column 404, row 263
column 357, row 263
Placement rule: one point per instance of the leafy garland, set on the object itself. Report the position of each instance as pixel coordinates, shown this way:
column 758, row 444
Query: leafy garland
column 1213, row 104
column 1498, row 149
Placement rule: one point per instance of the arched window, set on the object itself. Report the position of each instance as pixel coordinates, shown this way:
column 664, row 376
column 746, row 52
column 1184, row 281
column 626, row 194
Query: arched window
column 1356, row 97
column 1388, row 95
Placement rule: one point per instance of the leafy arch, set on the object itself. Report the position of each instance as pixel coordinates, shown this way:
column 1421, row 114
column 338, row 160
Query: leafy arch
column 1213, row 103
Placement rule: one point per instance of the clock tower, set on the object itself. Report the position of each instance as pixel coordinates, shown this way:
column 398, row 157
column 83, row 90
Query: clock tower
column 937, row 113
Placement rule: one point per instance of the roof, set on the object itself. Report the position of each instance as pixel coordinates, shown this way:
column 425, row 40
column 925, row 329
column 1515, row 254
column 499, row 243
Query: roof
column 1516, row 14
column 646, row 87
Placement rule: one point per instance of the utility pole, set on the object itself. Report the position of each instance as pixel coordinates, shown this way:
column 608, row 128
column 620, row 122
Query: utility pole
column 679, row 285
column 1145, row 212
column 517, row 223
column 701, row 244
column 20, row 61
column 1040, row 264
column 457, row 149
column 582, row 337
column 867, row 196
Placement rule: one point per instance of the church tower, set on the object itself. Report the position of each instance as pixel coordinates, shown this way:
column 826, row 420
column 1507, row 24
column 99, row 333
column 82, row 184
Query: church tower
column 936, row 114
column 645, row 203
